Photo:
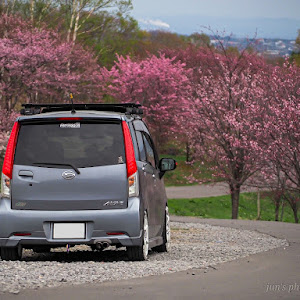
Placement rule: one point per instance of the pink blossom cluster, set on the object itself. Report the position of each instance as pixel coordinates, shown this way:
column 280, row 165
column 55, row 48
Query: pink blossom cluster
column 37, row 65
column 159, row 84
column 7, row 119
column 278, row 128
column 239, row 114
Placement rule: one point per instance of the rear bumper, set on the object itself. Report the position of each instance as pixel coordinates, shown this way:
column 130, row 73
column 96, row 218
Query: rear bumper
column 98, row 222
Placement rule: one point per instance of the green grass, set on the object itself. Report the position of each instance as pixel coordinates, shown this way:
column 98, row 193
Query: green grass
column 220, row 208
column 179, row 175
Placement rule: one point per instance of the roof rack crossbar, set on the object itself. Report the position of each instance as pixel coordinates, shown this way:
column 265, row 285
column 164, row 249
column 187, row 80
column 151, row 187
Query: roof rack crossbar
column 128, row 108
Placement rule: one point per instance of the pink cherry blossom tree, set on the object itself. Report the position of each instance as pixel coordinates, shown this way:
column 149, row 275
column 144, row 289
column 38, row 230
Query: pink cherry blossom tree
column 278, row 133
column 37, row 65
column 224, row 86
column 7, row 119
column 160, row 84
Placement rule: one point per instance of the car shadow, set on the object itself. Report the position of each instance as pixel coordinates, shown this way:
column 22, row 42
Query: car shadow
column 62, row 255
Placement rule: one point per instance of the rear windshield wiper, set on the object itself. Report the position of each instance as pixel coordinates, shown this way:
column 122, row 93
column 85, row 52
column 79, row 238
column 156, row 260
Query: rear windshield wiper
column 55, row 164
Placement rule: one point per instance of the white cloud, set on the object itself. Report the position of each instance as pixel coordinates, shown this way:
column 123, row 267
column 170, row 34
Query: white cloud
column 155, row 23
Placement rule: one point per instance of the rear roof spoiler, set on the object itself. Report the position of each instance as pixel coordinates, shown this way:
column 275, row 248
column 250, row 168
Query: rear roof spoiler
column 127, row 108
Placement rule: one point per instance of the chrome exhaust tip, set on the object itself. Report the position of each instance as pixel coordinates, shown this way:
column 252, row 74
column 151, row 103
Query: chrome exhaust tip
column 105, row 245
column 101, row 245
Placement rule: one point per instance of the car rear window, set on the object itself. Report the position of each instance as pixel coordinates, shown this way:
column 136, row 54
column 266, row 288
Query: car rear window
column 80, row 144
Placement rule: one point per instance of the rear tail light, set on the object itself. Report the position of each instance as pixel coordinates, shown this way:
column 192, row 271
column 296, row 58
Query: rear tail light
column 133, row 187
column 132, row 175
column 9, row 161
column 22, row 234
column 115, row 233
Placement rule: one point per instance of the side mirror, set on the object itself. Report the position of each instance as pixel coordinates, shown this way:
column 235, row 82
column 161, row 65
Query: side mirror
column 166, row 164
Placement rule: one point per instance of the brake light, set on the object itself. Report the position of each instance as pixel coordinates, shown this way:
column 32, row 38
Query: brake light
column 10, row 151
column 132, row 175
column 129, row 151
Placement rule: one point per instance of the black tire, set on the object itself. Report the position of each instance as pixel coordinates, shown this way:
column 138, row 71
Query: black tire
column 11, row 253
column 140, row 253
column 165, row 247
column 93, row 247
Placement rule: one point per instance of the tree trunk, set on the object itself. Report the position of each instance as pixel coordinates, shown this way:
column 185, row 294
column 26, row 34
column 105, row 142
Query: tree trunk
column 7, row 102
column 76, row 27
column 32, row 4
column 235, row 198
column 73, row 13
column 293, row 204
column 187, row 147
column 282, row 210
column 277, row 206
column 295, row 211
column 258, row 205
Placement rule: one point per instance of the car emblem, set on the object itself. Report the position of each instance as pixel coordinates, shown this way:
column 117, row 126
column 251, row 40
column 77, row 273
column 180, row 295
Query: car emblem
column 68, row 175
column 21, row 204
column 113, row 203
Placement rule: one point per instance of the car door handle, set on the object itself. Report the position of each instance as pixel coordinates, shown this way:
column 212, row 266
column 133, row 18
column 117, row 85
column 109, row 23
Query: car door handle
column 25, row 173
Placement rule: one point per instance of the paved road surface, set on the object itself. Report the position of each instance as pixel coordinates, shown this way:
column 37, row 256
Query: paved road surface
column 270, row 275
column 204, row 190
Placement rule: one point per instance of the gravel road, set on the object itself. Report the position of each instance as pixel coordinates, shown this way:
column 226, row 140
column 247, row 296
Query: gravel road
column 193, row 246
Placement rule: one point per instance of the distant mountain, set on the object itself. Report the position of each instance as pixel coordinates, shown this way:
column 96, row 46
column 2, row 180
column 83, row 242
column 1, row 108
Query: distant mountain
column 283, row 28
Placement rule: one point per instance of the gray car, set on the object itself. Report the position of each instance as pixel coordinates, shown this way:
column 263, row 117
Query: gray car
column 83, row 174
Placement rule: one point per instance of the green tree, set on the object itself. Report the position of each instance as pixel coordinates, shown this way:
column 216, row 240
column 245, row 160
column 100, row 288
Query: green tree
column 71, row 15
column 295, row 56
column 110, row 34
column 199, row 39
column 160, row 40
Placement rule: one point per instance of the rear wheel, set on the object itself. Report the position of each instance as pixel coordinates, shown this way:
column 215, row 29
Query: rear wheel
column 11, row 253
column 141, row 252
column 166, row 235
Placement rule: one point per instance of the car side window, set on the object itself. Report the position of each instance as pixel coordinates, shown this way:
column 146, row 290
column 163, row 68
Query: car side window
column 149, row 150
column 142, row 151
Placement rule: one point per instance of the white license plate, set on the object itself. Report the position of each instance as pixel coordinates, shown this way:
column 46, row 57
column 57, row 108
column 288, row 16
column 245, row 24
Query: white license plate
column 69, row 231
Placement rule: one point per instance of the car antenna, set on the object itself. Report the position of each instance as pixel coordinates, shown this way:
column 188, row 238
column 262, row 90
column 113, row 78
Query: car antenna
column 73, row 109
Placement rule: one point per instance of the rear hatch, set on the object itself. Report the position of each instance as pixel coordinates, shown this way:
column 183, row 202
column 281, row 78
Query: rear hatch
column 62, row 164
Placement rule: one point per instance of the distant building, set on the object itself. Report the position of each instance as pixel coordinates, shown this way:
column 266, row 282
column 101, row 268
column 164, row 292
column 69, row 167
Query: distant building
column 280, row 45
column 266, row 46
column 272, row 52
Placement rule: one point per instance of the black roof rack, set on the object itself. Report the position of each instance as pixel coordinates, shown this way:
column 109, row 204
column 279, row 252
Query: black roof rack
column 128, row 108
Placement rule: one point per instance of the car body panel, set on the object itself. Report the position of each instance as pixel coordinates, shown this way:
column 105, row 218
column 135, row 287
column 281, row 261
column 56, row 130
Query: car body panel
column 38, row 224
column 93, row 188
column 41, row 196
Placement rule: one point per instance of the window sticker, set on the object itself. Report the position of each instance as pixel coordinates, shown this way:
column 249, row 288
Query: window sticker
column 70, row 125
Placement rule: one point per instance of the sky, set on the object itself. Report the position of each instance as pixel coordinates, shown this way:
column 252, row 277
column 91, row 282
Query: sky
column 269, row 18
